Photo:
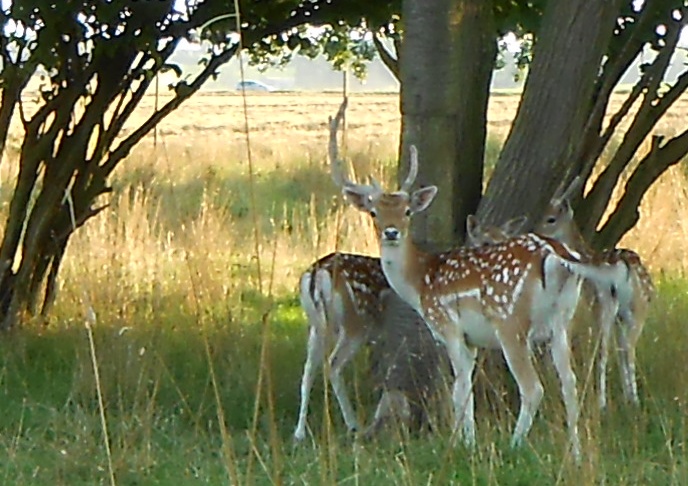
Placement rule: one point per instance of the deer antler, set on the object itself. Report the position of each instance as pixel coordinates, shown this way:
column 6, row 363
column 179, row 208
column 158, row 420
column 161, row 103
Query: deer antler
column 337, row 164
column 413, row 169
column 573, row 187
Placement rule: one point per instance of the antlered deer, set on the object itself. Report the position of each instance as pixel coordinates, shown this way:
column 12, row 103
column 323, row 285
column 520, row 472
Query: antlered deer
column 488, row 297
column 347, row 301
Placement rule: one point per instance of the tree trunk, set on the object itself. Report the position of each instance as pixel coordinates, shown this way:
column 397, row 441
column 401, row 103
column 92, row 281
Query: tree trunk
column 446, row 62
column 554, row 109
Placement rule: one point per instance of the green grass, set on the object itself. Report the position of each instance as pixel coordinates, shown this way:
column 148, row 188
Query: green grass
column 163, row 426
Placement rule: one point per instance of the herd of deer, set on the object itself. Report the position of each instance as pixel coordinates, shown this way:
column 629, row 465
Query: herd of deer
column 503, row 290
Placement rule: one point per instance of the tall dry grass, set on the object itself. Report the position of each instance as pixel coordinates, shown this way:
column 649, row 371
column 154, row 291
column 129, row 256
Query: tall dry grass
column 192, row 273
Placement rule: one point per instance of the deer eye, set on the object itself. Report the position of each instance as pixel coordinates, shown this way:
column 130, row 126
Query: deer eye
column 408, row 212
column 373, row 213
column 551, row 220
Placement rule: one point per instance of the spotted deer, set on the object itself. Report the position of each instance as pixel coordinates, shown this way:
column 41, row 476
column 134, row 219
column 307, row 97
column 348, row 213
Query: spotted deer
column 413, row 365
column 340, row 294
column 487, row 297
column 625, row 303
column 347, row 301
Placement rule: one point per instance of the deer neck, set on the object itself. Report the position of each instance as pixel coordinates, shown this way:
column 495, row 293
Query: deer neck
column 573, row 238
column 404, row 265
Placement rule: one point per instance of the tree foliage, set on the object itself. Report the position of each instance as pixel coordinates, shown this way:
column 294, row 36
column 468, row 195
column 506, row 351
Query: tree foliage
column 97, row 59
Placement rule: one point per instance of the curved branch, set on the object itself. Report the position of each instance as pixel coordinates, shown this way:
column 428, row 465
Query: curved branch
column 386, row 56
column 603, row 139
column 183, row 92
column 646, row 118
column 653, row 165
column 612, row 71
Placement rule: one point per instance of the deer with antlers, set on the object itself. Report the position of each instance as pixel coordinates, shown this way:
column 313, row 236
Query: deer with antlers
column 348, row 302
column 487, row 297
column 626, row 302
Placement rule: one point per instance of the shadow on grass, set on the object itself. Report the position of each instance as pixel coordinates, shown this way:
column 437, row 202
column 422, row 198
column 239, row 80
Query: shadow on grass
column 162, row 412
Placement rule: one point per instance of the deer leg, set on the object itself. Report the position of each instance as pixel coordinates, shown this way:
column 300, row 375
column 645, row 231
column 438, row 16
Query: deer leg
column 462, row 359
column 314, row 358
column 561, row 356
column 607, row 309
column 518, row 357
column 346, row 348
column 627, row 339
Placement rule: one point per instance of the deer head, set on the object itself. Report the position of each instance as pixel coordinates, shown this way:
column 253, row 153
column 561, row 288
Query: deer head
column 479, row 235
column 558, row 215
column 391, row 211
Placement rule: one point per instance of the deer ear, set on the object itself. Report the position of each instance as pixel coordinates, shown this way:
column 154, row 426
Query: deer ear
column 515, row 225
column 471, row 225
column 422, row 198
column 361, row 200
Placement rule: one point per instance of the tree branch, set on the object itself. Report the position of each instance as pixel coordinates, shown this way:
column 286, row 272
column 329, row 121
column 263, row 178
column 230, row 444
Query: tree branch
column 612, row 70
column 646, row 118
column 183, row 92
column 653, row 165
column 386, row 56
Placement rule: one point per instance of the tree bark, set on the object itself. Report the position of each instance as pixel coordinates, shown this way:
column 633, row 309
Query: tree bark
column 554, row 109
column 446, row 62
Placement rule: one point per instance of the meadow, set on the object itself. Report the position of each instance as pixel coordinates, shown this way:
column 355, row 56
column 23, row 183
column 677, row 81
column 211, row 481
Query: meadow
column 199, row 340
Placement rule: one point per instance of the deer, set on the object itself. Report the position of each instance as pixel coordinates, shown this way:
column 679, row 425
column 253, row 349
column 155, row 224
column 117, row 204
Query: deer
column 347, row 300
column 626, row 303
column 340, row 294
column 487, row 297
column 410, row 388
column 479, row 235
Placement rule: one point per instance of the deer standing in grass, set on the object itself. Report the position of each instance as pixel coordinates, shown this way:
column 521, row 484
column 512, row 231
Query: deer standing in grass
column 626, row 302
column 346, row 300
column 340, row 294
column 487, row 297
column 407, row 355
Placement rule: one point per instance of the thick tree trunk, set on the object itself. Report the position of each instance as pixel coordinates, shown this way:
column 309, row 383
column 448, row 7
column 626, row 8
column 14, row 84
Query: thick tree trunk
column 555, row 107
column 446, row 62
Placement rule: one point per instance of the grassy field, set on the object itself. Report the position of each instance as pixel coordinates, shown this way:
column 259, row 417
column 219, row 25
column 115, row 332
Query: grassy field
column 199, row 340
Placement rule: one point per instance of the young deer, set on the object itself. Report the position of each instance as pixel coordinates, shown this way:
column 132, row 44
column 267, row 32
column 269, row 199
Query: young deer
column 626, row 302
column 478, row 235
column 488, row 297
column 340, row 294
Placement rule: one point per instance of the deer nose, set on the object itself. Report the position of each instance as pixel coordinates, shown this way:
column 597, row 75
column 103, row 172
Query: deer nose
column 391, row 234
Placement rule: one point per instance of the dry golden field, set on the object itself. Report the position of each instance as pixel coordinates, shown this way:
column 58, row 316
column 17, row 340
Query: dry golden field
column 190, row 189
column 288, row 131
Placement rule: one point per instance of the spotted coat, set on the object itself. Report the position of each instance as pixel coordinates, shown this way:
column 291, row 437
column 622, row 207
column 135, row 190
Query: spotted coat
column 361, row 275
column 494, row 276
